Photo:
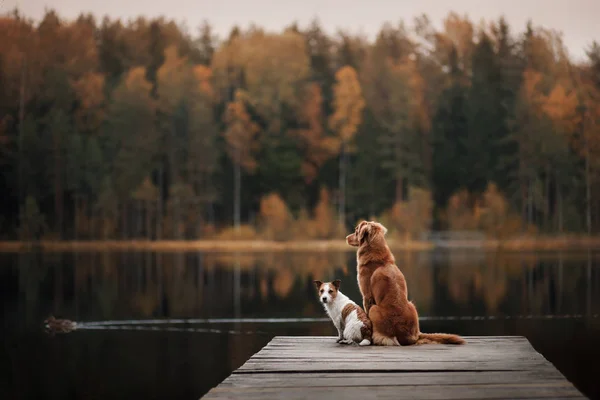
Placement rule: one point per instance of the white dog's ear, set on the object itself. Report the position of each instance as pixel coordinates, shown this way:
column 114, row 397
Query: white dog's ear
column 337, row 283
column 318, row 284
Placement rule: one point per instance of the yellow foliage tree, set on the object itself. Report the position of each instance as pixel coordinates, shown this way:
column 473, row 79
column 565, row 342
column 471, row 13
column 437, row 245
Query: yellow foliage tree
column 272, row 66
column 316, row 145
column 324, row 221
column 241, row 138
column 561, row 107
column 89, row 90
column 348, row 106
column 459, row 213
column 275, row 217
column 495, row 213
column 411, row 218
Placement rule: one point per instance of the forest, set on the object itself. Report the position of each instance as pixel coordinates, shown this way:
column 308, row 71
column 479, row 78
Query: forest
column 139, row 129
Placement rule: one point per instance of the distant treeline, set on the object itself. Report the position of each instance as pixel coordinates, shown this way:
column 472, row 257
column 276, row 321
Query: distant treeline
column 142, row 130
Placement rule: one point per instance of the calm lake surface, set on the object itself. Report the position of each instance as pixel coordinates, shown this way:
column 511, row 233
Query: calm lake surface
column 126, row 350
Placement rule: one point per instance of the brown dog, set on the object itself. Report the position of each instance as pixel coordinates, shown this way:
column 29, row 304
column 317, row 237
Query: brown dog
column 383, row 287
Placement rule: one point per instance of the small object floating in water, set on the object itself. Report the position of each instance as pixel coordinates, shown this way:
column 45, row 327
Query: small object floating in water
column 54, row 325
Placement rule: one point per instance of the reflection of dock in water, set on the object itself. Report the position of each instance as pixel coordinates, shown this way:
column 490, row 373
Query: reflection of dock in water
column 308, row 367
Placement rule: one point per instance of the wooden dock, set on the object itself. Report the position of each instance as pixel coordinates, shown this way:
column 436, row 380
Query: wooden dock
column 317, row 368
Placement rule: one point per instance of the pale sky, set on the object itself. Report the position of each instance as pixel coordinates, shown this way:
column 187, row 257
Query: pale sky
column 578, row 20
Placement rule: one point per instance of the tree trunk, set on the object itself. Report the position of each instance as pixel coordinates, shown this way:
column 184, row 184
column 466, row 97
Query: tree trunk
column 373, row 193
column 560, row 281
column 237, row 187
column 559, row 207
column 138, row 219
column 21, row 119
column 589, row 283
column 104, row 228
column 237, row 288
column 159, row 206
column 547, row 221
column 342, row 185
column 176, row 217
column 124, row 219
column 89, row 212
column 76, row 217
column 529, row 202
column 596, row 214
column 399, row 190
column 58, row 189
column 400, row 179
column 148, row 207
column 524, row 201
column 588, row 191
column 523, row 204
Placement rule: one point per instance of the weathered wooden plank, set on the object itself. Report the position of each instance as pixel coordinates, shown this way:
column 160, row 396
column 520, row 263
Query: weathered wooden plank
column 471, row 391
column 307, row 367
column 349, row 379
column 287, row 367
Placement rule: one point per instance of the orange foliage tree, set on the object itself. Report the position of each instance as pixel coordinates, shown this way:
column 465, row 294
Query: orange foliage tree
column 348, row 106
column 276, row 219
column 241, row 137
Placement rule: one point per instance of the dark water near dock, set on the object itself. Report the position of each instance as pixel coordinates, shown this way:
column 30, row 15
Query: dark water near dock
column 225, row 307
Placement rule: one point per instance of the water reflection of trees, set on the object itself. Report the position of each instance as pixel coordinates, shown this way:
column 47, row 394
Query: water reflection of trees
column 111, row 285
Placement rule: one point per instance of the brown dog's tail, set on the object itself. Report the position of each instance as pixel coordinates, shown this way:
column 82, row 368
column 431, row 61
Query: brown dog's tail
column 443, row 338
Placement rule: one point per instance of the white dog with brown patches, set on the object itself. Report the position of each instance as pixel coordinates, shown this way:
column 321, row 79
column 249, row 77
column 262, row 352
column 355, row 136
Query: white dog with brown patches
column 350, row 320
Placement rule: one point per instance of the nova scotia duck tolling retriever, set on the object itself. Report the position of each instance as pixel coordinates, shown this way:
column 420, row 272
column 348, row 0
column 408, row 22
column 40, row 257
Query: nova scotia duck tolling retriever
column 385, row 297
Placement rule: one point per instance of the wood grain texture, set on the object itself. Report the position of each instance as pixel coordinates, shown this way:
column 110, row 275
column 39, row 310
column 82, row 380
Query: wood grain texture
column 309, row 367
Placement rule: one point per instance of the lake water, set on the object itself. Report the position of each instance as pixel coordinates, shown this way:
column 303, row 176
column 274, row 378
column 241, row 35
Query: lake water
column 222, row 308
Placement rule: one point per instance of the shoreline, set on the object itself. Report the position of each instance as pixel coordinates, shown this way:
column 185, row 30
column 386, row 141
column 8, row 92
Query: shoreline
column 250, row 246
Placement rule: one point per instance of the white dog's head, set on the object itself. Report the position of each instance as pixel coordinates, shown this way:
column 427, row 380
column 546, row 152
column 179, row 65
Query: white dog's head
column 328, row 291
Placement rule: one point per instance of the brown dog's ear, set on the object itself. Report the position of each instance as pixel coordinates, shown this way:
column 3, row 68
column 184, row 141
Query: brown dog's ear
column 363, row 232
column 337, row 283
column 318, row 284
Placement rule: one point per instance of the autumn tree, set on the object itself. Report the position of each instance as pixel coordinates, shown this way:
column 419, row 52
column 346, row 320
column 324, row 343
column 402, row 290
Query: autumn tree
column 271, row 71
column 241, row 138
column 484, row 118
column 85, row 164
column 206, row 43
column 450, row 135
column 202, row 148
column 134, row 127
column 320, row 48
column 130, row 137
column 276, row 218
column 269, row 68
column 395, row 93
column 347, row 116
column 312, row 138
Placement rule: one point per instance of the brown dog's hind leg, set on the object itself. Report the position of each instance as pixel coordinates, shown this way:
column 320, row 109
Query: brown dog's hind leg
column 380, row 340
column 379, row 324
